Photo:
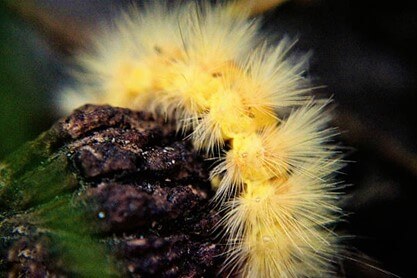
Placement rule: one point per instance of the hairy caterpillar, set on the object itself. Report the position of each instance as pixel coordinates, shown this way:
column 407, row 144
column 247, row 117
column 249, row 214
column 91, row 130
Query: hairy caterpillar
column 245, row 102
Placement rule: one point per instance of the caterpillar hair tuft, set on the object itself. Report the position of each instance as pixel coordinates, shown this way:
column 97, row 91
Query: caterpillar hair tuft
column 246, row 102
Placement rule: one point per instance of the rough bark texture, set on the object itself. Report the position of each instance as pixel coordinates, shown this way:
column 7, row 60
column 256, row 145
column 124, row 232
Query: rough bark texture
column 141, row 193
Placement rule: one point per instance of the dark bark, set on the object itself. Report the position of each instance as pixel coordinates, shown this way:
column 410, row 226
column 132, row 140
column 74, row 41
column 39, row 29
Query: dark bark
column 116, row 187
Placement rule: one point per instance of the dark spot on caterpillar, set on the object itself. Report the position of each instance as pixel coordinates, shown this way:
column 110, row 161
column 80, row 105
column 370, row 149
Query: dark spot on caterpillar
column 250, row 113
column 216, row 74
column 157, row 49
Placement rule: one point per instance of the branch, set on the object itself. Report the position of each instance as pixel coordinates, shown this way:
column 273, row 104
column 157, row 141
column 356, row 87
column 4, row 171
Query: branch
column 61, row 33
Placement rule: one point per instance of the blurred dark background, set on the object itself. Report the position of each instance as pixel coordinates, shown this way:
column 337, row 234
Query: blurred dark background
column 363, row 51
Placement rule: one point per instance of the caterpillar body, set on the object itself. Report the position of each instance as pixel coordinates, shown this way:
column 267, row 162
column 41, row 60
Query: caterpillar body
column 247, row 103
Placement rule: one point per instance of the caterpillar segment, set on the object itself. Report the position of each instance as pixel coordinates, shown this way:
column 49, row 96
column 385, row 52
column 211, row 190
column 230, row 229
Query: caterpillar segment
column 210, row 69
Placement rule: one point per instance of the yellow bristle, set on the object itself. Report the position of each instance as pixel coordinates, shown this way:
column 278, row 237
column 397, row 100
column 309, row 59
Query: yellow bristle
column 277, row 77
column 278, row 151
column 213, row 37
column 302, row 139
column 279, row 228
column 187, row 90
column 125, row 64
column 207, row 68
column 214, row 42
column 249, row 155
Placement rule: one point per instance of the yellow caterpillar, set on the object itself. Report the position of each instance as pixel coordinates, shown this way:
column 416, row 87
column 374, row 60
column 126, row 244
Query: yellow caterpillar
column 246, row 102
